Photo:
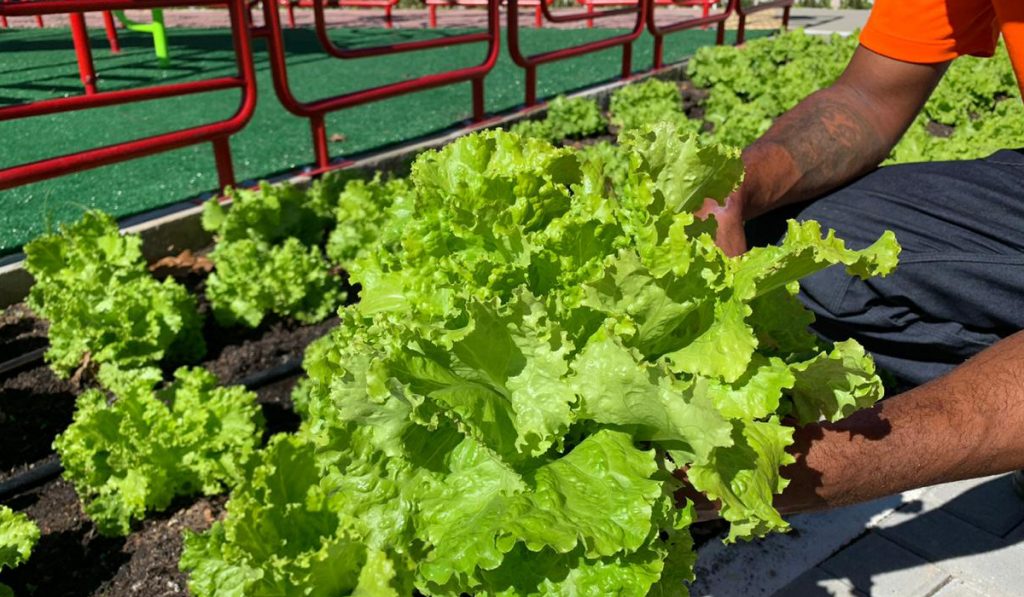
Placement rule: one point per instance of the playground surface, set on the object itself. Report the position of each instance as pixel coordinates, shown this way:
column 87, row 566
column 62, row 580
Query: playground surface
column 39, row 63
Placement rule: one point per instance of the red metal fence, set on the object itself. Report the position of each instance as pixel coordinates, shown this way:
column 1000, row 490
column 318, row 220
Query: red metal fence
column 660, row 31
column 217, row 133
column 316, row 110
column 387, row 5
column 744, row 12
column 529, row 63
column 242, row 30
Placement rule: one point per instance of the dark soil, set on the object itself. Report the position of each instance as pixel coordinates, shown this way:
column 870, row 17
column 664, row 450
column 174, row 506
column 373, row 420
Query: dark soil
column 20, row 333
column 939, row 130
column 35, row 406
column 272, row 344
column 693, row 99
column 71, row 558
column 154, row 551
column 704, row 532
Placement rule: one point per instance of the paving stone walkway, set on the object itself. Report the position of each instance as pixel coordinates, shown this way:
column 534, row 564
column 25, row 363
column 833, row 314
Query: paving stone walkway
column 963, row 539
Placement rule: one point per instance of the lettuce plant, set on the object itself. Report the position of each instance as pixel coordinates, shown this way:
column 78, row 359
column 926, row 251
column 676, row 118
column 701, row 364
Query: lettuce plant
column 137, row 453
column 749, row 87
column 642, row 104
column 369, row 215
column 253, row 278
column 566, row 118
column 268, row 257
column 504, row 411
column 270, row 213
column 93, row 288
column 18, row 535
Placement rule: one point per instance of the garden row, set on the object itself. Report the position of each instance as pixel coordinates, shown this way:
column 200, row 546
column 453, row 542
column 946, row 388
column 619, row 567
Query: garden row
column 542, row 336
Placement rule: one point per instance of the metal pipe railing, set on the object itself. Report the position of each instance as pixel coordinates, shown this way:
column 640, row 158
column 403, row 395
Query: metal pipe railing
column 743, row 13
column 387, row 5
column 658, row 32
column 216, row 133
column 316, row 110
column 531, row 62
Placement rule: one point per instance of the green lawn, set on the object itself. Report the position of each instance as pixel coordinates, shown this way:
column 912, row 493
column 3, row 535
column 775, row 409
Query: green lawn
column 37, row 64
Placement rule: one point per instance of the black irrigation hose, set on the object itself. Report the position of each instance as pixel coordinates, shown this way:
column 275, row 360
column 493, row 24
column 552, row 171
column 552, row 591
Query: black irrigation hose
column 269, row 376
column 28, row 358
column 37, row 475
column 50, row 468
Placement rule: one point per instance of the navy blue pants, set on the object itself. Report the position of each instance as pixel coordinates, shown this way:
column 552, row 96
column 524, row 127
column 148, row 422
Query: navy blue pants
column 959, row 286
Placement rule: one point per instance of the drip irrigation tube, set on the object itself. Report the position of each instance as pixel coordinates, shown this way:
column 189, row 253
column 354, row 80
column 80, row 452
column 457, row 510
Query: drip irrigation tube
column 269, row 376
column 50, row 467
column 41, row 473
column 18, row 362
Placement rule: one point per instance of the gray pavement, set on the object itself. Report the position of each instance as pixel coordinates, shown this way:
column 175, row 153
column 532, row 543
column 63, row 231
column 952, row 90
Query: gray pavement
column 963, row 539
column 825, row 21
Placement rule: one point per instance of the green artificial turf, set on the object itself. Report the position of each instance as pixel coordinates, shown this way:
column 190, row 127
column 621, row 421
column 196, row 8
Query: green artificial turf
column 39, row 64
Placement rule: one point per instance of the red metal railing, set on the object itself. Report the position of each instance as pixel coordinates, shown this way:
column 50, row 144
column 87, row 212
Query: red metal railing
column 593, row 4
column 531, row 62
column 218, row 133
column 538, row 14
column 242, row 30
column 660, row 31
column 4, row 23
column 743, row 13
column 387, row 5
column 316, row 110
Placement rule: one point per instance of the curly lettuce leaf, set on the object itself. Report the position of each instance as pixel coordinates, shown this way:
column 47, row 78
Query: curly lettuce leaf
column 617, row 388
column 18, row 535
column 744, row 477
column 599, row 497
column 137, row 453
column 281, row 537
column 253, row 279
column 834, row 384
column 93, row 288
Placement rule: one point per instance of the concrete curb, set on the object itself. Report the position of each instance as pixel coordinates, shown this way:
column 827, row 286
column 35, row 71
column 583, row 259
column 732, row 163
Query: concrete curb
column 172, row 229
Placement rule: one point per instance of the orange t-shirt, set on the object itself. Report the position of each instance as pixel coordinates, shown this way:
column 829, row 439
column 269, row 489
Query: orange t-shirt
column 929, row 31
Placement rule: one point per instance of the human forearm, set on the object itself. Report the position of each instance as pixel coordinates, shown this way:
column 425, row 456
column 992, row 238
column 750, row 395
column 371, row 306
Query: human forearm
column 966, row 424
column 836, row 134
column 825, row 141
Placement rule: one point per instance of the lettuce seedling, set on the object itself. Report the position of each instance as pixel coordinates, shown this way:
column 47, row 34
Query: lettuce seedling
column 93, row 288
column 138, row 452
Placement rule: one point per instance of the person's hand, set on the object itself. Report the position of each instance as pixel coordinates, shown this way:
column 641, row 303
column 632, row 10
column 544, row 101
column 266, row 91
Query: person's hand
column 730, row 236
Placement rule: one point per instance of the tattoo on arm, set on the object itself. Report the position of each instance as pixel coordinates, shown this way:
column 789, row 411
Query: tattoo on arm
column 827, row 140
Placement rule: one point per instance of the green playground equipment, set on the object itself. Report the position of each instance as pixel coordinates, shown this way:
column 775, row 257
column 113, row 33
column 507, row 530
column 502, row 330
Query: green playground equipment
column 156, row 28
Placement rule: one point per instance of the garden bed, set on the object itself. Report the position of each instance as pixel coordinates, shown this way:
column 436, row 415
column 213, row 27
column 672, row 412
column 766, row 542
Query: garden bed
column 35, row 406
